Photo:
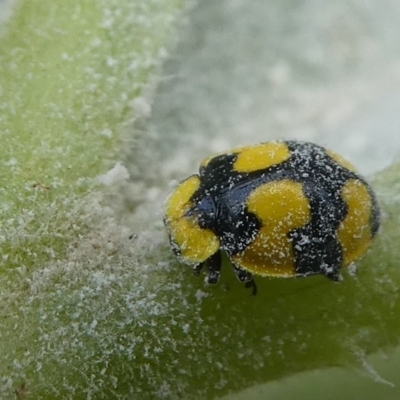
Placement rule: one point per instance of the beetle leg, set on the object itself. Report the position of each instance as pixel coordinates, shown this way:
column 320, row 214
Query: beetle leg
column 332, row 272
column 245, row 277
column 251, row 284
column 334, row 276
column 214, row 268
column 197, row 268
column 242, row 275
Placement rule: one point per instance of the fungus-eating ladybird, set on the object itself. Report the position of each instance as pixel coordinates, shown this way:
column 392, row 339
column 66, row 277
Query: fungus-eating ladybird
column 277, row 209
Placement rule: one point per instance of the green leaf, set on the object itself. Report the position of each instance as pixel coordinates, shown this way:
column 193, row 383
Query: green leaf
column 88, row 311
column 69, row 72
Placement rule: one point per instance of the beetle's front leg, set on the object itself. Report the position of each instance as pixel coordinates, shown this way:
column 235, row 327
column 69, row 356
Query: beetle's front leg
column 214, row 267
column 245, row 277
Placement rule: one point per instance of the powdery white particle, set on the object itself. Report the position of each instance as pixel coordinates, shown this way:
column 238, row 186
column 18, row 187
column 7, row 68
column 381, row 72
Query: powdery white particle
column 111, row 61
column 96, row 42
column 141, row 106
column 200, row 295
column 107, row 133
column 221, row 384
column 107, row 23
column 279, row 74
column 164, row 391
column 153, row 193
column 352, row 269
column 117, row 174
column 12, row 162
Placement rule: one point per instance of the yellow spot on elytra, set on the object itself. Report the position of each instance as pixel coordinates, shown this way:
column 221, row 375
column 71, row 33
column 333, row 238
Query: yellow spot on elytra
column 281, row 206
column 254, row 158
column 195, row 244
column 354, row 233
column 179, row 202
column 261, row 156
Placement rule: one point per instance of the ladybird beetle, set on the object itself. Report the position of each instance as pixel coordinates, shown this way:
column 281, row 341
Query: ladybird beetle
column 277, row 209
